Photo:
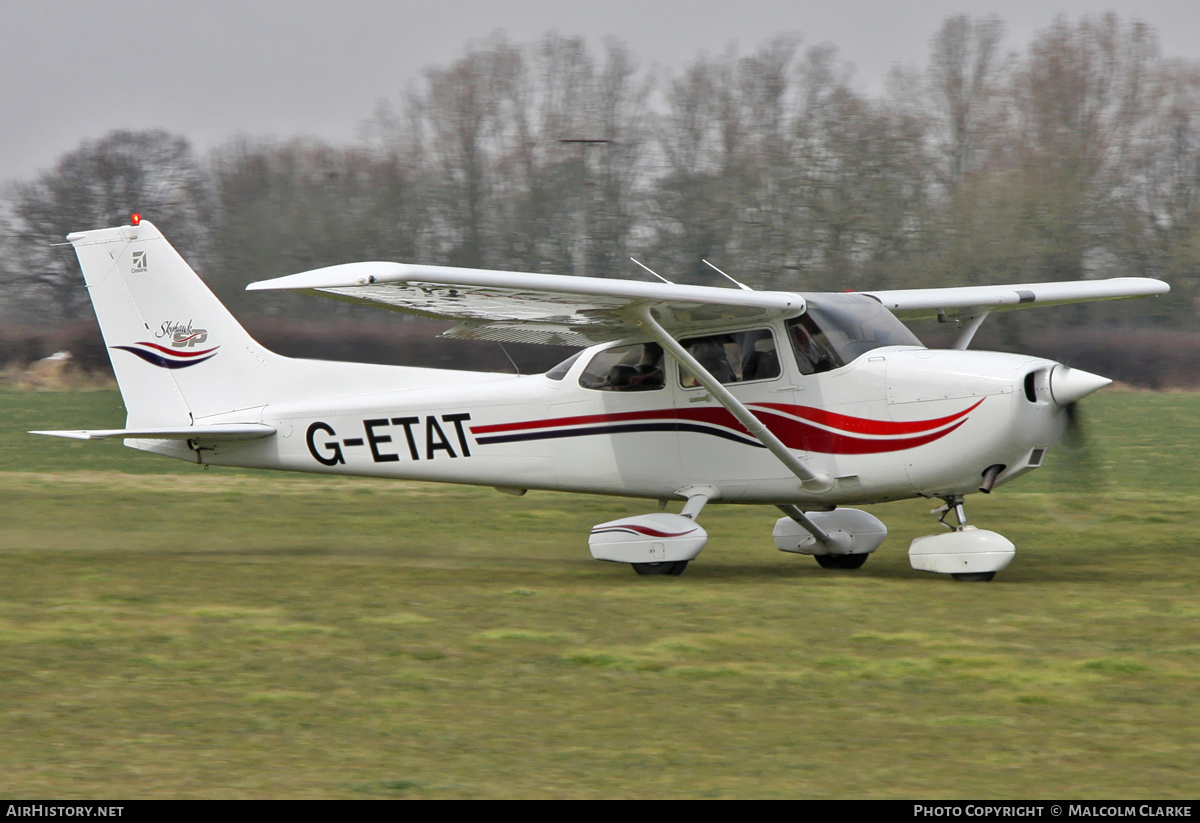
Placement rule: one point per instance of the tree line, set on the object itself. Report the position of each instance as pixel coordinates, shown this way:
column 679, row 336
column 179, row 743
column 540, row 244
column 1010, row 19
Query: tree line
column 1078, row 156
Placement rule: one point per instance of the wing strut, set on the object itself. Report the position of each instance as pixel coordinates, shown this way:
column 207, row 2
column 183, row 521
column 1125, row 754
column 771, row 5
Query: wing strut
column 815, row 482
column 969, row 328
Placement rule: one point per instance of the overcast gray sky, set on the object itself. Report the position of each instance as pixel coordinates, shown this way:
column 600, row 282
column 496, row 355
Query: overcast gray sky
column 75, row 69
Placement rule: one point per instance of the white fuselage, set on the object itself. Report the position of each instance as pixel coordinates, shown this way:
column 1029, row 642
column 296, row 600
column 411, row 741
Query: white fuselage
column 896, row 422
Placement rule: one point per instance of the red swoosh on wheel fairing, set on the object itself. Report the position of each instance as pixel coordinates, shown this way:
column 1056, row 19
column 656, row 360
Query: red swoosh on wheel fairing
column 644, row 530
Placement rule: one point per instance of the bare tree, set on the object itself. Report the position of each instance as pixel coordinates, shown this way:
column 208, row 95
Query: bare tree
column 728, row 142
column 1083, row 99
column 1077, row 158
column 504, row 188
column 289, row 207
column 966, row 73
column 463, row 112
column 97, row 185
column 1161, row 198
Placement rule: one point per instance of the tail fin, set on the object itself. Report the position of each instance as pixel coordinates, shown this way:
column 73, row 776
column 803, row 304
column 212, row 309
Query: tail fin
column 178, row 354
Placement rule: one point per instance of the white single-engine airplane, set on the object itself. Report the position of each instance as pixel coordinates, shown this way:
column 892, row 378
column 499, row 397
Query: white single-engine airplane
column 806, row 402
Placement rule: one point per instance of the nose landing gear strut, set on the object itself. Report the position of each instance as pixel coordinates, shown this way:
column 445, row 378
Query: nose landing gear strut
column 953, row 503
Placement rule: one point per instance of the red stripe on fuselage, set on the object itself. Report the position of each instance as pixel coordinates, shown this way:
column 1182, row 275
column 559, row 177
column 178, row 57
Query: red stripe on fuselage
column 795, row 434
column 722, row 417
column 864, row 425
column 581, row 420
column 805, row 437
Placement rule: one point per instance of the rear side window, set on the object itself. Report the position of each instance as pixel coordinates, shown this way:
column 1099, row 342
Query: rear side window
column 739, row 357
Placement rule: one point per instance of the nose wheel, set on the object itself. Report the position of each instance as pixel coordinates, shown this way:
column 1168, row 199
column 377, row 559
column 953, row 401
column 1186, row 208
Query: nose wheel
column 967, row 554
column 973, row 577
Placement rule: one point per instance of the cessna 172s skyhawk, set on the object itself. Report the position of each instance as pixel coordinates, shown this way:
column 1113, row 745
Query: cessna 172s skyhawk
column 805, row 402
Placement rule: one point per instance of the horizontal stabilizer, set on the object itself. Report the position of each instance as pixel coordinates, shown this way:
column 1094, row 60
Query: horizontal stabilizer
column 228, row 431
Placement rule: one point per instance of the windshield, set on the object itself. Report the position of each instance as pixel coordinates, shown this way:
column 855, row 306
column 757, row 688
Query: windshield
column 837, row 328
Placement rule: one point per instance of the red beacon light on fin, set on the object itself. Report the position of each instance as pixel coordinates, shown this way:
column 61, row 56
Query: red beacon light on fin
column 135, row 219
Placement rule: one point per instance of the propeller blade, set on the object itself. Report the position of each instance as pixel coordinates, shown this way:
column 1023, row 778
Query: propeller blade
column 1081, row 487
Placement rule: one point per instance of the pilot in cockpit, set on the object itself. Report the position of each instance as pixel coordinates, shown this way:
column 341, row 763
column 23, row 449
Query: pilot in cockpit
column 645, row 375
column 812, row 353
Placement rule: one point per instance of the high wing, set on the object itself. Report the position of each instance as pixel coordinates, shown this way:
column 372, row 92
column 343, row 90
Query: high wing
column 534, row 308
column 580, row 311
column 915, row 304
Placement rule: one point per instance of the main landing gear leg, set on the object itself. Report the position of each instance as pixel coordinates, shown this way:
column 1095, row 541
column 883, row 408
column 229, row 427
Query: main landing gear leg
column 967, row 554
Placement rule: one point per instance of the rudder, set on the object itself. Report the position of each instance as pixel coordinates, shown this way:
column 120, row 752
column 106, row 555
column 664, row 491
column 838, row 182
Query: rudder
column 178, row 354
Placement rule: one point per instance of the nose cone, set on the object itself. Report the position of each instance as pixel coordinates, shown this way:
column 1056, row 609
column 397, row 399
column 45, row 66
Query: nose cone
column 1068, row 385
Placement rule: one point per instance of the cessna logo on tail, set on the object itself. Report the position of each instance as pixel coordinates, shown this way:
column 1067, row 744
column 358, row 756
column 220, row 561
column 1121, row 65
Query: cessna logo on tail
column 139, row 262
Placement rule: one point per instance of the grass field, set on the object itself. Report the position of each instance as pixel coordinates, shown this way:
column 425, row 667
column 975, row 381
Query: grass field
column 171, row 632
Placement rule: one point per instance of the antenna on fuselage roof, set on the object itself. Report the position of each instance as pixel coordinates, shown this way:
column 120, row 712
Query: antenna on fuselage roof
column 741, row 286
column 516, row 368
column 652, row 271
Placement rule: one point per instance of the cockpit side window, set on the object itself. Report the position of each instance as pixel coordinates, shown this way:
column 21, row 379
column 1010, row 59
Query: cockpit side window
column 638, row 367
column 835, row 329
column 811, row 345
column 739, row 357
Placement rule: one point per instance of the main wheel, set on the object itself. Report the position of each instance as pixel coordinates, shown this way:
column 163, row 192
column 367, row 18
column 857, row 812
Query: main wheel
column 973, row 577
column 841, row 561
column 673, row 568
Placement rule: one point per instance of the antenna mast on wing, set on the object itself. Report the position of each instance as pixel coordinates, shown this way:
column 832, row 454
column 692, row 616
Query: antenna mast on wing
column 740, row 285
column 652, row 271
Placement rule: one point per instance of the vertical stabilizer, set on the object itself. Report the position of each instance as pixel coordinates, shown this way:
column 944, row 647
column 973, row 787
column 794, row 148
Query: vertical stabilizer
column 178, row 354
